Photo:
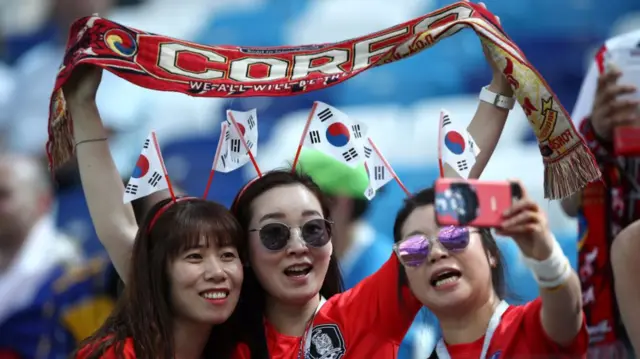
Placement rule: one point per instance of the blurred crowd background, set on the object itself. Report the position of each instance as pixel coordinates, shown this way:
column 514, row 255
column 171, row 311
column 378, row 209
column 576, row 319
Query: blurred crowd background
column 400, row 102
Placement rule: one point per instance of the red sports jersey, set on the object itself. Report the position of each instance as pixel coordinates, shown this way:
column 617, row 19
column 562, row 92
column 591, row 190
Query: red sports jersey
column 127, row 353
column 368, row 321
column 520, row 335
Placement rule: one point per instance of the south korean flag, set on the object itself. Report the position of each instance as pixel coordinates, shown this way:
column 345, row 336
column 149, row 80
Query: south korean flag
column 335, row 134
column 148, row 175
column 456, row 146
column 377, row 171
column 233, row 153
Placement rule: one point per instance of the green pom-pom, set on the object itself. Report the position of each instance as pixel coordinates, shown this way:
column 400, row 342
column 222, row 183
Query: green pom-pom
column 334, row 177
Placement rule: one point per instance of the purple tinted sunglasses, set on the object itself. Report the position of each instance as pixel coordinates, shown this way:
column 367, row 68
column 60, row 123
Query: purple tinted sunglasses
column 413, row 251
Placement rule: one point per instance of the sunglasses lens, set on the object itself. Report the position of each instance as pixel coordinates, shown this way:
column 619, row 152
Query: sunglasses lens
column 454, row 238
column 316, row 232
column 274, row 236
column 413, row 251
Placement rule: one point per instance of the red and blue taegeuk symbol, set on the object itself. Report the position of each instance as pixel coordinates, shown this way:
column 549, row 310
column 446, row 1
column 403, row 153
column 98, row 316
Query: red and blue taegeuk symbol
column 121, row 42
column 455, row 142
column 142, row 167
column 338, row 134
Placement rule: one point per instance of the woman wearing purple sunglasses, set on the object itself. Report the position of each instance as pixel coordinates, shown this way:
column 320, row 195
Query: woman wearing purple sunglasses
column 457, row 273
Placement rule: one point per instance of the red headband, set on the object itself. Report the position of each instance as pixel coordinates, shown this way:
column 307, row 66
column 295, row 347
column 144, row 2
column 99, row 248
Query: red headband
column 241, row 192
column 164, row 209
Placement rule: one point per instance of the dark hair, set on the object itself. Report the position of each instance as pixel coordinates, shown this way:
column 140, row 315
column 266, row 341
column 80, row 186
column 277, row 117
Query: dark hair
column 426, row 197
column 252, row 304
column 144, row 311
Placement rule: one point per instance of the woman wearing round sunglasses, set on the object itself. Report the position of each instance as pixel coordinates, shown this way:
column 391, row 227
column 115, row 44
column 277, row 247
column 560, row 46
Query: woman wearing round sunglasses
column 457, row 273
column 292, row 299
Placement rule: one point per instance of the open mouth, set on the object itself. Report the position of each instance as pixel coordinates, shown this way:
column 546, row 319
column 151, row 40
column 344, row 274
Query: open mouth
column 445, row 277
column 298, row 270
column 215, row 294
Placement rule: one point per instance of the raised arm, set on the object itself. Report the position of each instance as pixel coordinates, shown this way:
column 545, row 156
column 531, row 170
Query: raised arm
column 114, row 221
column 561, row 313
column 487, row 124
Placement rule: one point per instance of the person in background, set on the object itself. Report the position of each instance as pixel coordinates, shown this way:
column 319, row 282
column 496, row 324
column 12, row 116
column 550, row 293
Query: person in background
column 605, row 208
column 30, row 245
column 50, row 297
column 624, row 258
column 361, row 249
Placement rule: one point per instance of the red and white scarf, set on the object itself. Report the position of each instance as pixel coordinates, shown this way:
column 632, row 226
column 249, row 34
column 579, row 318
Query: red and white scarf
column 162, row 63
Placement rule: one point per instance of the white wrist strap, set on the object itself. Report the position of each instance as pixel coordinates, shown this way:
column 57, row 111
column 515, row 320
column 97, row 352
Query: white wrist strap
column 551, row 272
column 496, row 99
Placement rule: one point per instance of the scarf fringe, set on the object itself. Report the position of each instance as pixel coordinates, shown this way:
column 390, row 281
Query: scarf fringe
column 570, row 174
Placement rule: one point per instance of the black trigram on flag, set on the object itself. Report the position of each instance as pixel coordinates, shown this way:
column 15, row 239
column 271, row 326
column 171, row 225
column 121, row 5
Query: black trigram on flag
column 367, row 152
column 227, row 134
column 146, row 144
column 235, row 145
column 155, row 178
column 223, row 158
column 356, row 131
column 250, row 144
column 131, row 189
column 314, row 136
column 462, row 165
column 446, row 121
column 350, row 155
column 251, row 122
column 325, row 114
column 378, row 173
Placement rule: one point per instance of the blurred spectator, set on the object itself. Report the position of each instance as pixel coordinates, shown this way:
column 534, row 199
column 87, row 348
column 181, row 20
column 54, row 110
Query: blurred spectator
column 605, row 208
column 42, row 278
column 73, row 302
column 30, row 246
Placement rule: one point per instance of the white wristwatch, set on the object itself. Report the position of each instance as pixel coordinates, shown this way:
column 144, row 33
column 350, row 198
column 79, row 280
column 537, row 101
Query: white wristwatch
column 497, row 100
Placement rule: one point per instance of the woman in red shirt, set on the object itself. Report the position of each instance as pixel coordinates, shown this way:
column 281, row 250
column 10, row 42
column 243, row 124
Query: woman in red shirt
column 187, row 281
column 457, row 273
column 292, row 301
column 187, row 273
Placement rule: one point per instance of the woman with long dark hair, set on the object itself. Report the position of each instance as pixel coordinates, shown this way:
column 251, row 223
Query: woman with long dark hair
column 187, row 279
column 457, row 273
column 184, row 275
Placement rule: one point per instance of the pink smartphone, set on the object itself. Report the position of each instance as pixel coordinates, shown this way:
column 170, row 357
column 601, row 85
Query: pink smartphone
column 473, row 203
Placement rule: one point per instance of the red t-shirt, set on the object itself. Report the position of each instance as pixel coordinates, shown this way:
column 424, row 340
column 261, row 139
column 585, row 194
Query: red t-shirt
column 128, row 352
column 520, row 335
column 368, row 321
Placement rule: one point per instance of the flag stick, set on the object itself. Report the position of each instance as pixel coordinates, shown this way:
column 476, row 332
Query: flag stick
column 244, row 143
column 440, row 140
column 386, row 164
column 215, row 160
column 304, row 134
column 164, row 168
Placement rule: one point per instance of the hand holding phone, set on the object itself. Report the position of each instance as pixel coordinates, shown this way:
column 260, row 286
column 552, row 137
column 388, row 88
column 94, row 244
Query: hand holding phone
column 474, row 203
